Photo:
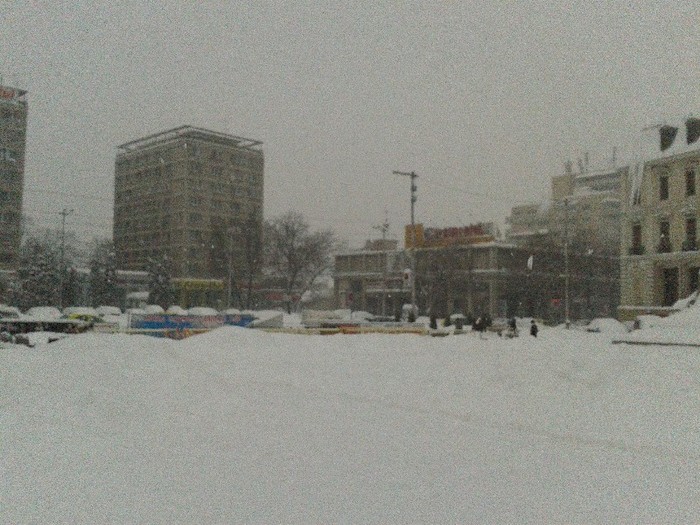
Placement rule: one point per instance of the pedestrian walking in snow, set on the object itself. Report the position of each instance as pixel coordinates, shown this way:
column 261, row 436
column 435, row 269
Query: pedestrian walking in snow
column 533, row 328
column 479, row 326
column 512, row 328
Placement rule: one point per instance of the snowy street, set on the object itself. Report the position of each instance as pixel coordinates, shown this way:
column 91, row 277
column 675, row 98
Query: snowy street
column 243, row 426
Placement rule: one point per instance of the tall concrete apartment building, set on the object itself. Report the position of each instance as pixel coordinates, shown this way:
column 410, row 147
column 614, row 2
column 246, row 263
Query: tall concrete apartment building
column 13, row 137
column 193, row 195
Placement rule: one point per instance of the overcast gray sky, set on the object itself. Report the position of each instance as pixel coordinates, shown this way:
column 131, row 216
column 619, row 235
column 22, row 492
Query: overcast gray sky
column 484, row 99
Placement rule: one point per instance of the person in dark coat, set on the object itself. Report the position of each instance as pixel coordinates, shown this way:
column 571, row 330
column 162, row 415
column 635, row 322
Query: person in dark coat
column 479, row 326
column 533, row 328
column 512, row 328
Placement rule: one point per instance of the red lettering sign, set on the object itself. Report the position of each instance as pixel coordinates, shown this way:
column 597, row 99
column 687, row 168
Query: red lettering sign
column 6, row 93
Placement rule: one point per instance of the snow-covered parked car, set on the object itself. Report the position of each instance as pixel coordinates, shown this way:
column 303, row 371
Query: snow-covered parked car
column 9, row 312
column 153, row 309
column 606, row 325
column 647, row 321
column 82, row 313
column 176, row 310
column 81, row 310
column 44, row 313
column 202, row 310
column 109, row 311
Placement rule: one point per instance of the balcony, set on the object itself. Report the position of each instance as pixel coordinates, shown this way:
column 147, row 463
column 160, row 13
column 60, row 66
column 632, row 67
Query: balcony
column 664, row 245
column 689, row 245
column 636, row 249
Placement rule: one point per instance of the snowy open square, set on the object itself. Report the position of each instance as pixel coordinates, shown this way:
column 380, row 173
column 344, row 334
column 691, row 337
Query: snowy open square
column 240, row 425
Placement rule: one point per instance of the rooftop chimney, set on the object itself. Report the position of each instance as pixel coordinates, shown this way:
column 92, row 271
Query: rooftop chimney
column 692, row 129
column 667, row 134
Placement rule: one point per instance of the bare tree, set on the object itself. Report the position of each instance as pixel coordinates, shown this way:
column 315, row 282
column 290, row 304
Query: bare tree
column 296, row 255
column 252, row 243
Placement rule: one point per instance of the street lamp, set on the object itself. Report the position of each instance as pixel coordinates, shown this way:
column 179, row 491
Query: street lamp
column 566, row 263
column 414, row 198
column 64, row 213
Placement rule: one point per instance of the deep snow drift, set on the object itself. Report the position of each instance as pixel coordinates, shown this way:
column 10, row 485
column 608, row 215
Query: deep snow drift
column 239, row 425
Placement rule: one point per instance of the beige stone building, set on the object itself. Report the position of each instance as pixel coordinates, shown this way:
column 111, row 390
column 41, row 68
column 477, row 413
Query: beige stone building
column 660, row 259
column 195, row 196
column 586, row 202
column 13, row 137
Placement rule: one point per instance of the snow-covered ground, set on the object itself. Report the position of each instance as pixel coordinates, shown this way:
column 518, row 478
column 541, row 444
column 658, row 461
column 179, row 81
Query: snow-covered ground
column 240, row 425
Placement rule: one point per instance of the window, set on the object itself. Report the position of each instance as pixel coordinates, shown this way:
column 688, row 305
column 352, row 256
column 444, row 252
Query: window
column 637, row 235
column 690, row 230
column 690, row 234
column 663, row 188
column 690, row 182
column 693, row 280
column 664, row 237
column 636, row 248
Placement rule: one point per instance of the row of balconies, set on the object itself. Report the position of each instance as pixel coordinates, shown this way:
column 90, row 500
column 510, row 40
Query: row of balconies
column 664, row 246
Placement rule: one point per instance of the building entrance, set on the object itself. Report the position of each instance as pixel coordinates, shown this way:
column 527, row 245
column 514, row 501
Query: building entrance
column 670, row 276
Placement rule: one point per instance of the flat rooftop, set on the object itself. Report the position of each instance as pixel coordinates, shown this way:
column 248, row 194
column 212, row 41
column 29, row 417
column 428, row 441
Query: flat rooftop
column 189, row 132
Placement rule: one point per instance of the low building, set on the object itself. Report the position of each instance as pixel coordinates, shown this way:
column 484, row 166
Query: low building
column 465, row 270
column 660, row 258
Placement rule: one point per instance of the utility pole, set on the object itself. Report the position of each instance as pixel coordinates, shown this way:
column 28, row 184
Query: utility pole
column 384, row 228
column 414, row 189
column 566, row 262
column 64, row 213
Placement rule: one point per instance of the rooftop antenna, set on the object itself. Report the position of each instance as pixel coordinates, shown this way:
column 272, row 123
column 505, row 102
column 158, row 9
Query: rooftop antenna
column 384, row 227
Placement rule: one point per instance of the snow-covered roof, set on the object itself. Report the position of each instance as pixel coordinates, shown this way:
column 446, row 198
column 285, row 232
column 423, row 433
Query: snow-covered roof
column 650, row 140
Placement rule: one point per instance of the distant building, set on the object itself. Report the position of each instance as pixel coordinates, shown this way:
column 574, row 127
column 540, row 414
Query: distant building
column 661, row 208
column 196, row 197
column 589, row 201
column 586, row 202
column 13, row 138
column 585, row 206
column 464, row 270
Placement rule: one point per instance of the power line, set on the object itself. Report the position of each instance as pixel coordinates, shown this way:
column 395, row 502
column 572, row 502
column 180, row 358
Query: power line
column 35, row 189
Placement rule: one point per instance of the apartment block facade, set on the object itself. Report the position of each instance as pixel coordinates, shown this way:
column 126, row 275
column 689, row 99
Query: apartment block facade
column 661, row 209
column 195, row 196
column 13, row 138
